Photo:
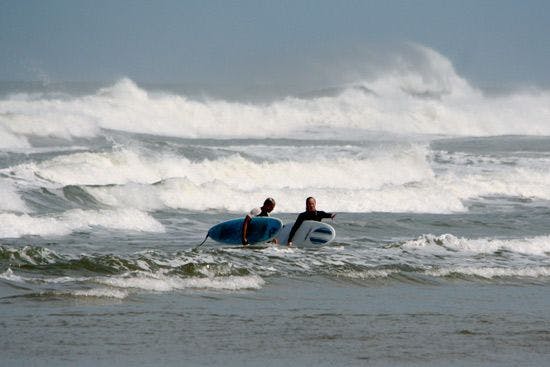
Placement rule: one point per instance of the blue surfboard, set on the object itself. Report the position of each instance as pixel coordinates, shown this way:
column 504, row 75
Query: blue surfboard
column 260, row 229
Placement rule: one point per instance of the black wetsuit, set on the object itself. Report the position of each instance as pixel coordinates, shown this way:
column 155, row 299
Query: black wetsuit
column 317, row 216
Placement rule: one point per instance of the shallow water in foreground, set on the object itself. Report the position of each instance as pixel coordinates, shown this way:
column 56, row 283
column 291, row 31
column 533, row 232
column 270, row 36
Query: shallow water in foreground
column 300, row 321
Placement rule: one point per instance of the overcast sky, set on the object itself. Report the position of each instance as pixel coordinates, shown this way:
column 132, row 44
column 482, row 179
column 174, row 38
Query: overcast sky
column 490, row 43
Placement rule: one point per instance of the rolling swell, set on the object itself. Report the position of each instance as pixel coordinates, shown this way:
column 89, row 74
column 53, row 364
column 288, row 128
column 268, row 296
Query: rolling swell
column 415, row 261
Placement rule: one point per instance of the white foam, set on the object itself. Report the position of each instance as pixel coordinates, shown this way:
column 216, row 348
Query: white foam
column 421, row 97
column 163, row 283
column 390, row 180
column 117, row 167
column 121, row 219
column 127, row 165
column 51, row 121
column 448, row 244
column 119, row 286
column 338, row 188
column 13, row 225
column 10, row 199
column 229, row 183
column 9, row 275
column 493, row 272
column 345, row 183
column 10, row 141
column 368, row 274
column 99, row 292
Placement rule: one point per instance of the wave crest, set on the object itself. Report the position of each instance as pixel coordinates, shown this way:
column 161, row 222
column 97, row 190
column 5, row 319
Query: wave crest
column 13, row 225
column 415, row 97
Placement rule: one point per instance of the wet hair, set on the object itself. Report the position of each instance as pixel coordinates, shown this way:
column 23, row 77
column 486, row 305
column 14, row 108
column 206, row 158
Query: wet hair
column 269, row 201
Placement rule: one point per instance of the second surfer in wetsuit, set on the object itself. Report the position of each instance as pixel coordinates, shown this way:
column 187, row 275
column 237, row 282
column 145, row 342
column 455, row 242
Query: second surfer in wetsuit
column 311, row 213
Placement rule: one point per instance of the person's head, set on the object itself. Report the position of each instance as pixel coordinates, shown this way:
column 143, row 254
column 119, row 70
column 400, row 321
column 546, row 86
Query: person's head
column 310, row 204
column 269, row 205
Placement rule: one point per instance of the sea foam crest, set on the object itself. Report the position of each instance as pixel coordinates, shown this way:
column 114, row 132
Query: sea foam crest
column 401, row 184
column 128, row 165
column 492, row 272
column 10, row 141
column 403, row 179
column 99, row 292
column 10, row 199
column 425, row 97
column 164, row 283
column 13, row 225
column 9, row 275
column 449, row 244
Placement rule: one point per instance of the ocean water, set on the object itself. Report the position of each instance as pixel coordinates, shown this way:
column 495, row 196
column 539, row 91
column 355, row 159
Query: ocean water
column 442, row 253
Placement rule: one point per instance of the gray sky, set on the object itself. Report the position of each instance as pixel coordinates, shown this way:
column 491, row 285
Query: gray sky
column 491, row 43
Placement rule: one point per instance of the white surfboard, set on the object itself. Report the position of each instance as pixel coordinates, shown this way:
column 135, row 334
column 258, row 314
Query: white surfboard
column 310, row 233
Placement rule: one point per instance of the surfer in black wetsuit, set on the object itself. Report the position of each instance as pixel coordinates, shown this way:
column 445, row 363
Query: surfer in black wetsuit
column 269, row 205
column 311, row 213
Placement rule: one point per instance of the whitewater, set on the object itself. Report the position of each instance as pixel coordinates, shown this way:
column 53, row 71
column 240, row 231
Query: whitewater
column 442, row 195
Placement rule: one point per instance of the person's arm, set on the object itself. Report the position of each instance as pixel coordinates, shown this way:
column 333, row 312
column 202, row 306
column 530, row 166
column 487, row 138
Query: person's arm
column 324, row 215
column 295, row 227
column 253, row 213
column 247, row 220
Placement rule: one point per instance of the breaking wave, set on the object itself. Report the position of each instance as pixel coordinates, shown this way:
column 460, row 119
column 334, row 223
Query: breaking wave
column 388, row 177
column 15, row 225
column 415, row 98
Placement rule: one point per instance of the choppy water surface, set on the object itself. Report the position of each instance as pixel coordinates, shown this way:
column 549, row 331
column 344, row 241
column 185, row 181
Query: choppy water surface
column 442, row 254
